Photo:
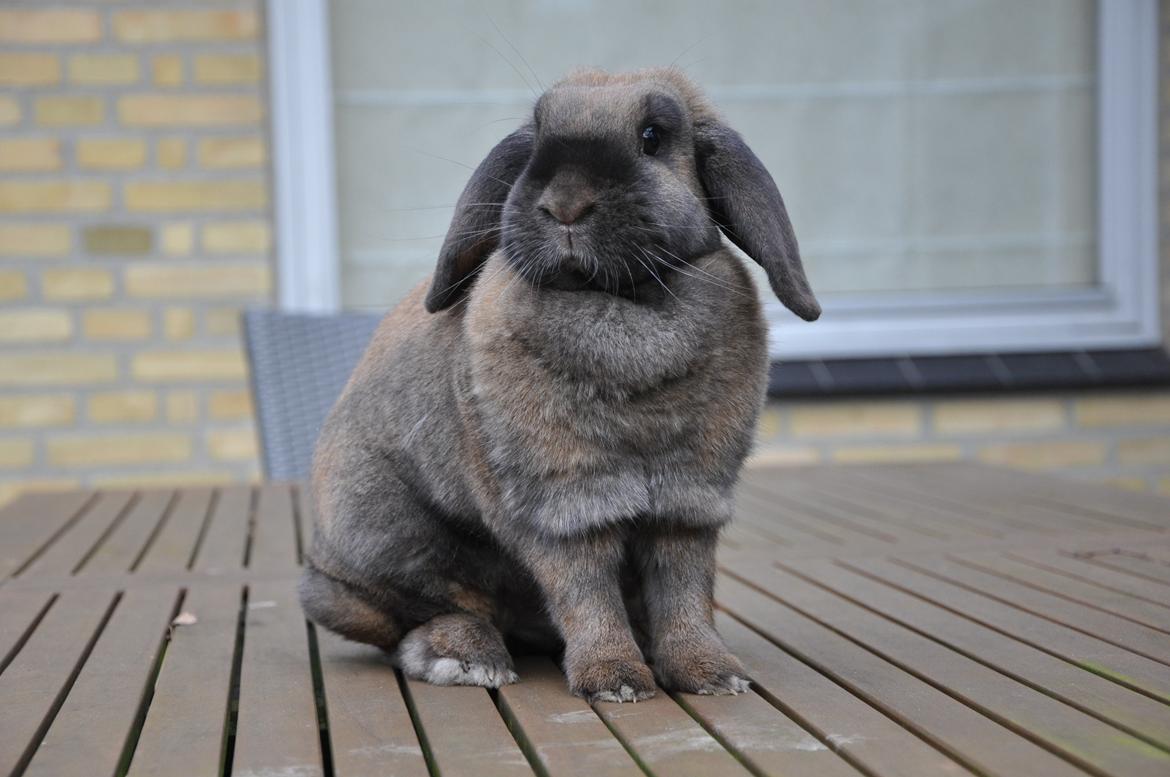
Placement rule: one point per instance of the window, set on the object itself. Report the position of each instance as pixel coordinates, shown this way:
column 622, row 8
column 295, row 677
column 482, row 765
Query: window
column 964, row 175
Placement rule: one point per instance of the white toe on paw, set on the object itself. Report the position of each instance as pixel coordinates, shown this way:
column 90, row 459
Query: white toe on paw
column 731, row 685
column 450, row 671
column 739, row 684
column 623, row 694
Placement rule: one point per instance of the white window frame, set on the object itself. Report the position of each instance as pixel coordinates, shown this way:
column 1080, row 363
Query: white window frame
column 1121, row 312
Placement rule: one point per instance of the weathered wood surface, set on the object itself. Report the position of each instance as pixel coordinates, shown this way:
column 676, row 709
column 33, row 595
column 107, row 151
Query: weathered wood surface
column 895, row 620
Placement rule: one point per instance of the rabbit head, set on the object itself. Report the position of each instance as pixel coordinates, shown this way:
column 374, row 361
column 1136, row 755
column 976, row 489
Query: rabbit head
column 616, row 181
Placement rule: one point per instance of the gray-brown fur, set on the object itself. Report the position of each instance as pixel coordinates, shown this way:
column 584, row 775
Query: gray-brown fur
column 544, row 446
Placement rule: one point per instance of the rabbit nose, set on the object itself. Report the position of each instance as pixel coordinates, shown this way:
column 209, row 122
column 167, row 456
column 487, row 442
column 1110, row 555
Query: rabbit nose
column 567, row 198
column 566, row 209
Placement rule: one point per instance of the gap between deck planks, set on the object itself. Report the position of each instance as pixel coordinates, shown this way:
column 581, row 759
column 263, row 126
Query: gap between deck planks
column 910, row 620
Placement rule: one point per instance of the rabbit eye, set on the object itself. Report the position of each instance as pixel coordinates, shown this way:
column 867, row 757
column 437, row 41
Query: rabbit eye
column 650, row 140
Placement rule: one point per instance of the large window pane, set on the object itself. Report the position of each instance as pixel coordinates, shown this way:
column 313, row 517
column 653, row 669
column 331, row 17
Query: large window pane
column 923, row 146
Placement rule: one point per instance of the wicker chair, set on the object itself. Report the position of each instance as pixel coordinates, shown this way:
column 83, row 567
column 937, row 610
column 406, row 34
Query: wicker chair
column 299, row 364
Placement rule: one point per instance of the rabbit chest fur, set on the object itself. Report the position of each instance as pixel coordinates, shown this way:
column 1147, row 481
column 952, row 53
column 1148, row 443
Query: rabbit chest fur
column 596, row 409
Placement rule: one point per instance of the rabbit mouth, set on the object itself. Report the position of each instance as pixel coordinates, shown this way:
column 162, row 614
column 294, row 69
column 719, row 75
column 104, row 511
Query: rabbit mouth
column 603, row 280
column 570, row 279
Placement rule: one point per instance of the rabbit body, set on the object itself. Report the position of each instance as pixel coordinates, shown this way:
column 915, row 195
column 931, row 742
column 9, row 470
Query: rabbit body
column 544, row 458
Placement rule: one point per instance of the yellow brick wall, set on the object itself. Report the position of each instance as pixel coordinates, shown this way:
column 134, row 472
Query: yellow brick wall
column 1120, row 437
column 134, row 223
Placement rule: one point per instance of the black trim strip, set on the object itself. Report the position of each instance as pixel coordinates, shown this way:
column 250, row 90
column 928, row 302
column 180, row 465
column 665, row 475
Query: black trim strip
column 969, row 373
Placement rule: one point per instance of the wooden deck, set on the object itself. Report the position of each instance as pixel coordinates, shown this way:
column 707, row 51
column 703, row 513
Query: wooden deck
column 900, row 620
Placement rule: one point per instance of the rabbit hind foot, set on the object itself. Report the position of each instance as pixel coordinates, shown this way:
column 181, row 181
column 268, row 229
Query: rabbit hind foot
column 456, row 649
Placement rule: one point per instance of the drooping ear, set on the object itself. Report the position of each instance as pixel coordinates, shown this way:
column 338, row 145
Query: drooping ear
column 746, row 204
column 475, row 228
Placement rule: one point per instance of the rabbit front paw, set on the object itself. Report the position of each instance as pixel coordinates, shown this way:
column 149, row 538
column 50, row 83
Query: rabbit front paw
column 612, row 679
column 703, row 670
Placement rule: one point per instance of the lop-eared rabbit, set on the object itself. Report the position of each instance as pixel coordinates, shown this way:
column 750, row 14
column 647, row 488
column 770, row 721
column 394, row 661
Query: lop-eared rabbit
column 541, row 448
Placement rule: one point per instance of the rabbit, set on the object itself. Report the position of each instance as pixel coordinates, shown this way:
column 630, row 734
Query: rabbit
column 540, row 444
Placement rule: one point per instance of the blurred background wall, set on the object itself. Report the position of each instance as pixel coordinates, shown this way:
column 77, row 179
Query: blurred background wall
column 135, row 223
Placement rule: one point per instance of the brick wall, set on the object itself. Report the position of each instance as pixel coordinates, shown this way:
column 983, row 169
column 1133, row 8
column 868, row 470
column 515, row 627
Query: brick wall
column 133, row 225
column 1118, row 437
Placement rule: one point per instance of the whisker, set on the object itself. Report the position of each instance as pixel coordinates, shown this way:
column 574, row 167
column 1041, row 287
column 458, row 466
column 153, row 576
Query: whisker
column 509, row 42
column 698, row 269
column 457, row 162
column 711, row 279
column 465, row 233
column 446, row 207
column 523, row 77
column 685, row 51
column 650, row 270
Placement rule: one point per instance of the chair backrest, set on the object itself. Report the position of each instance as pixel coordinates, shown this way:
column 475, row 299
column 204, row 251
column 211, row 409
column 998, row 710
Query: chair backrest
column 299, row 365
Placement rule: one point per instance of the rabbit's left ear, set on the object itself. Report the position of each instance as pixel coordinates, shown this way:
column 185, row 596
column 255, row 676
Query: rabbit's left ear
column 746, row 204
column 475, row 228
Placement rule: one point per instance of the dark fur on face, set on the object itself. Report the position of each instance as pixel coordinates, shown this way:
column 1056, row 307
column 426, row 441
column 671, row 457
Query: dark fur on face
column 633, row 216
column 547, row 455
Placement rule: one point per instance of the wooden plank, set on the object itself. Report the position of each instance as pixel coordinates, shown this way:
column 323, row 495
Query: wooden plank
column 1081, row 738
column 1128, row 709
column 32, row 521
column 907, row 524
column 1016, row 491
column 226, row 539
column 64, row 555
column 482, row 748
column 174, row 546
column 274, row 535
column 786, row 525
column 562, row 732
column 1060, row 516
column 1078, row 569
column 18, row 612
column 736, row 537
column 891, row 506
column 1157, row 550
column 827, row 500
column 183, row 733
column 1140, row 510
column 1119, row 507
column 277, row 730
column 122, row 548
column 1155, row 616
column 763, row 737
column 909, row 486
column 960, row 730
column 1132, row 563
column 747, row 530
column 789, row 520
column 369, row 724
column 1143, row 640
column 34, row 684
column 854, row 527
column 846, row 723
column 1103, row 658
column 91, row 731
column 667, row 740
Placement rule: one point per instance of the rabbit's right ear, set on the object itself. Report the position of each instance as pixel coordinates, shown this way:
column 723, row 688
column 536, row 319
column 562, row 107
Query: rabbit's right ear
column 475, row 228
